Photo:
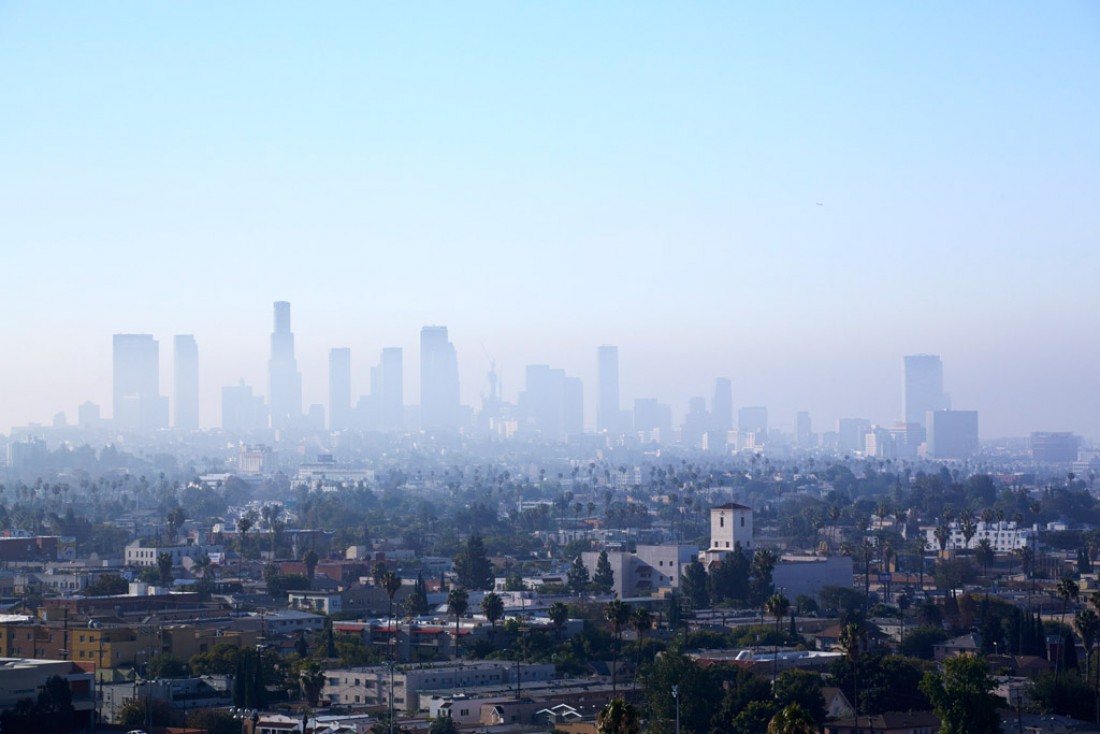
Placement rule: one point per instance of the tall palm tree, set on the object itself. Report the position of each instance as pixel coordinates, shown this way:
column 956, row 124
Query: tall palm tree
column 1087, row 625
column 792, row 719
column 559, row 615
column 776, row 606
column 852, row 640
column 492, row 606
column 641, row 621
column 458, row 601
column 617, row 613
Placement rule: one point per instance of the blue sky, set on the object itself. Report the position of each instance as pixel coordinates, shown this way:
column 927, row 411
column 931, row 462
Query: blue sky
column 547, row 177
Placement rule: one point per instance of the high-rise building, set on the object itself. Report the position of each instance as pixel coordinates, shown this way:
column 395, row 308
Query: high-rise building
column 284, row 379
column 752, row 421
column 137, row 402
column 952, row 434
column 652, row 420
column 1053, row 447
column 721, row 407
column 185, row 375
column 922, row 389
column 339, row 389
column 241, row 410
column 439, row 396
column 391, row 389
column 608, row 417
column 804, row 432
column 552, row 403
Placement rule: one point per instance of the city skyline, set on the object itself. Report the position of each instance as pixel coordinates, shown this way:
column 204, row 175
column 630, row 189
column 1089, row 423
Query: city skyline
column 546, row 179
column 365, row 383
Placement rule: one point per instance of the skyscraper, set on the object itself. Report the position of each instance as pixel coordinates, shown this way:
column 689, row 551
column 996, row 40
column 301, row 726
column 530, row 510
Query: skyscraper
column 391, row 389
column 607, row 390
column 185, row 375
column 339, row 389
column 137, row 403
column 439, row 403
column 721, row 410
column 922, row 391
column 284, row 379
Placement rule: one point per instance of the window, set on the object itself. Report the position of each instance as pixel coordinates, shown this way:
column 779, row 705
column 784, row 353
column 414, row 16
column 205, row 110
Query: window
column 742, row 521
column 721, row 521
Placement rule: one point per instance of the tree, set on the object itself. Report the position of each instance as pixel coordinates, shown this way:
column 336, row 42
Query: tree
column 1087, row 625
column 164, row 568
column 310, row 559
column 802, row 688
column 776, row 606
column 472, row 566
column 164, row 665
column 961, row 696
column 618, row 717
column 694, row 585
column 577, row 577
column 391, row 584
column 559, row 615
column 110, row 584
column 617, row 613
column 458, row 601
column 492, row 606
column 311, row 678
column 604, row 578
column 416, row 603
column 792, row 719
column 985, row 554
column 136, row 711
column 174, row 519
column 853, row 639
column 442, row 725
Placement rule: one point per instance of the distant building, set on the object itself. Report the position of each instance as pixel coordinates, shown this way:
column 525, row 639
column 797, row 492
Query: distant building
column 752, row 426
column 241, row 410
column 1005, row 537
column 952, row 434
column 645, row 571
column 185, row 375
column 850, row 434
column 652, row 420
column 22, row 678
column 255, row 459
column 284, row 379
column 608, row 416
column 339, row 389
column 1053, row 448
column 922, row 389
column 803, row 433
column 552, row 404
column 388, row 390
column 439, row 387
column 138, row 404
column 88, row 415
column 730, row 526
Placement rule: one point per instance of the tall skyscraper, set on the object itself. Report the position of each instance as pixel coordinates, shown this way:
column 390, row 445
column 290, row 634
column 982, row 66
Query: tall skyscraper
column 439, row 401
column 922, row 390
column 721, row 411
column 608, row 417
column 284, row 379
column 137, row 403
column 185, row 376
column 339, row 389
column 241, row 410
column 391, row 389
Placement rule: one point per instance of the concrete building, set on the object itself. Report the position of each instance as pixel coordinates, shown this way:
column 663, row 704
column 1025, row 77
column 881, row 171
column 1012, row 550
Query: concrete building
column 922, row 389
column 731, row 525
column 370, row 686
column 241, row 410
column 185, row 375
column 137, row 554
column 439, row 386
column 23, row 677
column 1053, row 448
column 806, row 575
column 339, row 389
column 648, row 569
column 952, row 434
column 137, row 402
column 608, row 415
column 1005, row 537
column 283, row 378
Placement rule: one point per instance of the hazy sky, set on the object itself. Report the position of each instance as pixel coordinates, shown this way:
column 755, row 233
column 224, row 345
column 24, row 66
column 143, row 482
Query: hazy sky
column 791, row 195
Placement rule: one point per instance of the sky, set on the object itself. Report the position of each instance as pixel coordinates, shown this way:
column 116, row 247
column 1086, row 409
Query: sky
column 791, row 195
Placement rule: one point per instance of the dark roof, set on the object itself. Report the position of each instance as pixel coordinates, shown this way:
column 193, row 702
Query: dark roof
column 731, row 506
column 889, row 720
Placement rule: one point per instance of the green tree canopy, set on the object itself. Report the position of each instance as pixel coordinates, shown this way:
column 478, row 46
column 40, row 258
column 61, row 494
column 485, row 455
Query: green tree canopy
column 961, row 696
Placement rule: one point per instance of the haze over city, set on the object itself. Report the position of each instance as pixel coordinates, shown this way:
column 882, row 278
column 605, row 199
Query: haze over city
column 793, row 198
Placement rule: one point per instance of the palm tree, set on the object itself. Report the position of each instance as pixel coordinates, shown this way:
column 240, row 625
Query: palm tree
column 1087, row 624
column 458, row 601
column 852, row 641
column 985, row 554
column 311, row 677
column 793, row 719
column 642, row 621
column 243, row 526
column 492, row 606
column 776, row 606
column 967, row 527
column 617, row 613
column 559, row 615
column 391, row 583
column 618, row 717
